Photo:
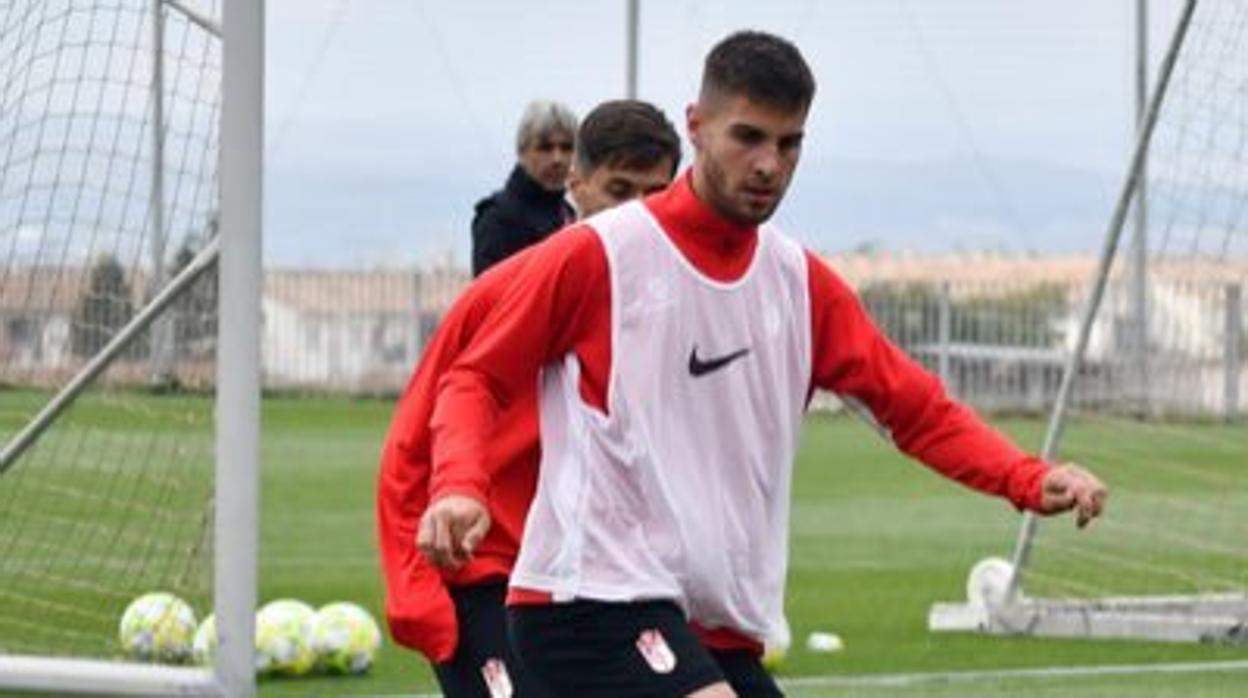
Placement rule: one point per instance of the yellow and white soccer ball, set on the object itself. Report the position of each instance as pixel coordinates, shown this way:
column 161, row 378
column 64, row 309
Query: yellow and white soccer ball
column 204, row 646
column 345, row 638
column 773, row 657
column 284, row 638
column 157, row 627
column 776, row 646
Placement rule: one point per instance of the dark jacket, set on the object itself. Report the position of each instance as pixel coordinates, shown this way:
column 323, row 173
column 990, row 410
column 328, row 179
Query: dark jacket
column 509, row 220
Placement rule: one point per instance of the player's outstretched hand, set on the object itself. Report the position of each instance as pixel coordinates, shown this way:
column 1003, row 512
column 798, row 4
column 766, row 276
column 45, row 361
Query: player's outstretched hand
column 451, row 529
column 1067, row 487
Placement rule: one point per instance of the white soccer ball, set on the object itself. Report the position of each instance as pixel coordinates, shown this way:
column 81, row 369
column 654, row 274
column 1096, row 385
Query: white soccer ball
column 824, row 642
column 345, row 638
column 988, row 582
column 157, row 627
column 284, row 638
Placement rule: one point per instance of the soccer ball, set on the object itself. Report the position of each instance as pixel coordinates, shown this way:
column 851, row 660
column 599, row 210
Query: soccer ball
column 825, row 642
column 204, row 646
column 988, row 582
column 345, row 638
column 773, row 657
column 776, row 646
column 157, row 627
column 283, row 638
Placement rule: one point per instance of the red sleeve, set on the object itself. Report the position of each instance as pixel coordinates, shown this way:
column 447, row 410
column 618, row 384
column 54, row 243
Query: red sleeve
column 853, row 359
column 418, row 609
column 548, row 311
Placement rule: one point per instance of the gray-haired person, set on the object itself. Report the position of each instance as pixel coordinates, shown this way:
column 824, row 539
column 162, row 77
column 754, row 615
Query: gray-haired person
column 531, row 205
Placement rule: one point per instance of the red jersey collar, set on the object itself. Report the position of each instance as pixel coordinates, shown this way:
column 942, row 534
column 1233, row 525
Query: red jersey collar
column 720, row 248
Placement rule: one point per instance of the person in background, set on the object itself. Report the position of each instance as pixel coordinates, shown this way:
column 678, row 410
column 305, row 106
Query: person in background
column 456, row 618
column 531, row 205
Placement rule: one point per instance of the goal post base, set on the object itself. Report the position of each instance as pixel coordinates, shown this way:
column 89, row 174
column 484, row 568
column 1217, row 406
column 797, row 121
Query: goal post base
column 1207, row 619
column 62, row 675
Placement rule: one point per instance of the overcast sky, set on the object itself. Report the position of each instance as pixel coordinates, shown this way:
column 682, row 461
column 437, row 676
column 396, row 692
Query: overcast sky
column 938, row 123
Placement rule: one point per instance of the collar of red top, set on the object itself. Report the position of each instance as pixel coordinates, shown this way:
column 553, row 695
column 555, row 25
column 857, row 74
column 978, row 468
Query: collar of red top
column 718, row 247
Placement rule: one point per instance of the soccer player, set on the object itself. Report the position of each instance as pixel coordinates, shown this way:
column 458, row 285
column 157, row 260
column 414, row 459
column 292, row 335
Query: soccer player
column 676, row 342
column 456, row 618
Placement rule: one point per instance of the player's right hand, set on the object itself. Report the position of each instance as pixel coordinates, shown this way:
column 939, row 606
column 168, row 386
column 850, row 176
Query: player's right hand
column 451, row 529
column 1069, row 486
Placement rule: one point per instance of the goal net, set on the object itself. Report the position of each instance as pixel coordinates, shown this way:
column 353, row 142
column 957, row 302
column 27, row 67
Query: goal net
column 1158, row 403
column 110, row 120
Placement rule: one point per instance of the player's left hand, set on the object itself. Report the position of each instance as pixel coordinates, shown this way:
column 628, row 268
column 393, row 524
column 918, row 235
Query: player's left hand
column 1069, row 486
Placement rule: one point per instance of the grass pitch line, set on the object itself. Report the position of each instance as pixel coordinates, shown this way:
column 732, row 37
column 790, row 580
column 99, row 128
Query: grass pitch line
column 953, row 677
column 916, row 679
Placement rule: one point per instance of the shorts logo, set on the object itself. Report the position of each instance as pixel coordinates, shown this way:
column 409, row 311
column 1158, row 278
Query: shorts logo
column 656, row 651
column 494, row 671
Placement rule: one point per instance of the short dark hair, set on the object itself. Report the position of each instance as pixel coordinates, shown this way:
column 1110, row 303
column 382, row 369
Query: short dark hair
column 626, row 133
column 761, row 67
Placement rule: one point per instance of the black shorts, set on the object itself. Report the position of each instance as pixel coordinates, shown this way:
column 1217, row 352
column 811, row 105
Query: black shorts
column 744, row 671
column 483, row 659
column 592, row 649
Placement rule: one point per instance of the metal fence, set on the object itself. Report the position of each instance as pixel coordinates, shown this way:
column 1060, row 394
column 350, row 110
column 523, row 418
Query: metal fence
column 1002, row 346
column 998, row 338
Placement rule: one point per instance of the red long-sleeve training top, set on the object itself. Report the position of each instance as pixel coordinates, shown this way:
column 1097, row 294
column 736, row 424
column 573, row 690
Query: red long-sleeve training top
column 562, row 304
column 554, row 299
column 418, row 609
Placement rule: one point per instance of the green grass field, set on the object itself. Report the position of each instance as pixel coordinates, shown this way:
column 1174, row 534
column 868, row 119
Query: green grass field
column 876, row 540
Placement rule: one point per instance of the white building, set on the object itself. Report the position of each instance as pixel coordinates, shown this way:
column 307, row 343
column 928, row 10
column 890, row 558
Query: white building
column 355, row 331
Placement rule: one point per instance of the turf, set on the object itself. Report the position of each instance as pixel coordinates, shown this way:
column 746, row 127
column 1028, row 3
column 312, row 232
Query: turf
column 876, row 540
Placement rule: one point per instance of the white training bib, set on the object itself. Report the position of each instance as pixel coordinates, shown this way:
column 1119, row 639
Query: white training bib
column 682, row 490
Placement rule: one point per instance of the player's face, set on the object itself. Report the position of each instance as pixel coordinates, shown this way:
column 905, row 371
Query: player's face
column 547, row 158
column 746, row 154
column 612, row 185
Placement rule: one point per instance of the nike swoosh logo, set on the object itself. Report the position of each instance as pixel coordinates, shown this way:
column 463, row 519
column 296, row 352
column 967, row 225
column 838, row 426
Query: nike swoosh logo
column 699, row 367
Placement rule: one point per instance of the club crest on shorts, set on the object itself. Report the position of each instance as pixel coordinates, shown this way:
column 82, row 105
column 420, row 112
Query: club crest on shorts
column 494, row 671
column 655, row 650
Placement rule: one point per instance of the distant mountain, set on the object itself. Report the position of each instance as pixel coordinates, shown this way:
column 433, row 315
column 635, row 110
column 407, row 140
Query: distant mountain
column 328, row 218
column 950, row 204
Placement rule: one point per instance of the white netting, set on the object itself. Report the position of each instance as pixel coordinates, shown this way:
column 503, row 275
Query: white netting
column 114, row 499
column 1160, row 402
